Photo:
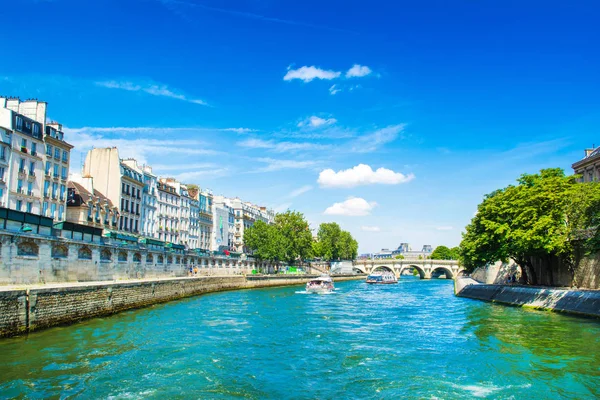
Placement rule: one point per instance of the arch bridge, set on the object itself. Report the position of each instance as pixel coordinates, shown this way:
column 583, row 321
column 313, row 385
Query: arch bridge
column 426, row 268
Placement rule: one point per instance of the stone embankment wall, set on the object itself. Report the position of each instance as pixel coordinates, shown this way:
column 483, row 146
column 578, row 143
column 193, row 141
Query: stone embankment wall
column 26, row 310
column 552, row 272
column 581, row 302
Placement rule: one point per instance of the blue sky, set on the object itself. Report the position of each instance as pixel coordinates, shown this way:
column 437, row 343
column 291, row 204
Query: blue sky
column 299, row 104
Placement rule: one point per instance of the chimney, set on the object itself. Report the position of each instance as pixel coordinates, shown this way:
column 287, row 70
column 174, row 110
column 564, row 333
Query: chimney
column 588, row 152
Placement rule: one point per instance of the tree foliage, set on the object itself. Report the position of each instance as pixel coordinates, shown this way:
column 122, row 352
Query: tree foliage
column 542, row 216
column 333, row 243
column 445, row 253
column 288, row 239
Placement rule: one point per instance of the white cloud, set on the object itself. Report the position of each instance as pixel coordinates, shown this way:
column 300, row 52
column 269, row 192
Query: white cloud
column 315, row 122
column 353, row 207
column 281, row 147
column 307, row 74
column 333, row 90
column 239, row 130
column 370, row 228
column 371, row 142
column 277, row 165
column 178, row 167
column 140, row 148
column 282, row 207
column 358, row 71
column 444, row 228
column 299, row 191
column 152, row 129
column 191, row 176
column 150, row 88
column 362, row 174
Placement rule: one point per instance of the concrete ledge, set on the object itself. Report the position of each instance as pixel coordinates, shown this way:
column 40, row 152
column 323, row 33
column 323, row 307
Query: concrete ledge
column 581, row 302
column 37, row 307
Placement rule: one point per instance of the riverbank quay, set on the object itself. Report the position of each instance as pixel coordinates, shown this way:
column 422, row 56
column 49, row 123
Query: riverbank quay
column 30, row 308
column 578, row 302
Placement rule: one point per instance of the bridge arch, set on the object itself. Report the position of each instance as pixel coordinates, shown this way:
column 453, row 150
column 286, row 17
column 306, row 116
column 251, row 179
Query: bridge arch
column 419, row 269
column 447, row 271
column 382, row 268
column 359, row 268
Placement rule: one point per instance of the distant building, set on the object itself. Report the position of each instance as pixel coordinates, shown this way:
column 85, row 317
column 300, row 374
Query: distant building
column 589, row 166
column 403, row 250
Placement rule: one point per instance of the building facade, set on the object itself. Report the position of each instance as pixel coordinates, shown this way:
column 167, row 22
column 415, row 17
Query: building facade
column 589, row 166
column 168, row 213
column 87, row 206
column 205, row 219
column 119, row 182
column 26, row 138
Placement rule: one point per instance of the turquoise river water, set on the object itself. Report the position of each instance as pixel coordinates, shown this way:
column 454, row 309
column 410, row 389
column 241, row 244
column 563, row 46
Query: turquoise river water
column 411, row 340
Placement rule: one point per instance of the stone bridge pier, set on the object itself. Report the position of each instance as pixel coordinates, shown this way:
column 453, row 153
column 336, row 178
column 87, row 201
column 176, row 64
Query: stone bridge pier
column 426, row 268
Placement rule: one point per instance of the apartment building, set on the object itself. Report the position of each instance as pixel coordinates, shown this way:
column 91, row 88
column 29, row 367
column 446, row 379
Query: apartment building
column 149, row 200
column 223, row 225
column 168, row 213
column 589, row 166
column 26, row 138
column 205, row 219
column 88, row 206
column 119, row 182
column 245, row 215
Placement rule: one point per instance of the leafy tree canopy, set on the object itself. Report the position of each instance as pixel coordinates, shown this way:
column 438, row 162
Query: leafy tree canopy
column 333, row 243
column 543, row 216
column 445, row 253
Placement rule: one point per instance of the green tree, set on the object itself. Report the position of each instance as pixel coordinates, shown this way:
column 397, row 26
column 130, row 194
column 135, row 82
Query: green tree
column 538, row 218
column 296, row 236
column 399, row 257
column 264, row 241
column 333, row 243
column 441, row 253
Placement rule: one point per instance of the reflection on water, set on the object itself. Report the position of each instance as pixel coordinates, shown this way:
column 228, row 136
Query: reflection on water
column 414, row 339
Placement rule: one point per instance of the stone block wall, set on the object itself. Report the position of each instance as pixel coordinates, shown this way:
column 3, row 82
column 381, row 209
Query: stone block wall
column 38, row 308
column 33, row 259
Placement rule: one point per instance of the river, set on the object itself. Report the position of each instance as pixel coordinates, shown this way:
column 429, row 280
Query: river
column 411, row 340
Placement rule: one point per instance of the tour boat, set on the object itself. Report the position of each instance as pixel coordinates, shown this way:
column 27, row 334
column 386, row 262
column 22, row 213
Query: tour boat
column 320, row 285
column 382, row 279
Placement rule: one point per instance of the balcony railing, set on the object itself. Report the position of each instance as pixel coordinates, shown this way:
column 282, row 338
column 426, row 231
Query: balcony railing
column 24, row 149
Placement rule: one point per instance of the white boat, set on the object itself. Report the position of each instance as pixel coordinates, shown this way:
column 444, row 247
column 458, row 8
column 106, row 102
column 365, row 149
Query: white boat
column 382, row 278
column 322, row 284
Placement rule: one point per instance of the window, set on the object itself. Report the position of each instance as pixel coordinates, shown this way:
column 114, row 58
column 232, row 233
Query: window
column 122, row 189
column 57, row 153
column 29, row 188
column 61, row 212
column 137, row 209
column 49, row 150
column 55, row 170
column 48, row 167
column 121, row 223
column 136, row 225
column 126, row 205
column 33, row 147
column 23, row 143
column 2, row 153
column 65, row 157
column 63, row 172
column 19, row 123
column 29, row 207
column 36, row 129
column 19, row 185
column 19, row 205
column 22, row 164
column 45, row 208
column 54, row 190
column 125, row 223
column 32, row 168
column 1, row 173
column 46, row 187
column 62, row 192
column 52, row 210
